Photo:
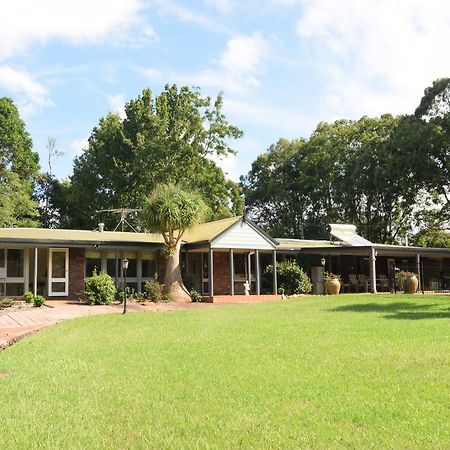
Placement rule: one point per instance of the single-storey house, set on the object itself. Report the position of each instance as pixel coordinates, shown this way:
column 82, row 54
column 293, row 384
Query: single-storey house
column 220, row 258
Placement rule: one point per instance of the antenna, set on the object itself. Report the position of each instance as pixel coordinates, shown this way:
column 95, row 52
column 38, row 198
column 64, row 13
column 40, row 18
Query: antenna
column 124, row 212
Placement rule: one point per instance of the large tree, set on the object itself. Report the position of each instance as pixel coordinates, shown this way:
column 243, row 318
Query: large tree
column 171, row 211
column 19, row 169
column 168, row 138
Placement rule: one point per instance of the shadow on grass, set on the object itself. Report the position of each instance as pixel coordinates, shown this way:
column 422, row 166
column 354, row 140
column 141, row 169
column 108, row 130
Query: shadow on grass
column 398, row 310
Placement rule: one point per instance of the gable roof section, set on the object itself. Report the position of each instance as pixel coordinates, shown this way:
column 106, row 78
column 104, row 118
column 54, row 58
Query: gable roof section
column 228, row 233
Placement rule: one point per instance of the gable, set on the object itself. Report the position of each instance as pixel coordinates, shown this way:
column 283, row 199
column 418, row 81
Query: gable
column 242, row 235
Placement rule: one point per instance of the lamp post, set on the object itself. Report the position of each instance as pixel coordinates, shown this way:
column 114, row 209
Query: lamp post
column 322, row 263
column 125, row 268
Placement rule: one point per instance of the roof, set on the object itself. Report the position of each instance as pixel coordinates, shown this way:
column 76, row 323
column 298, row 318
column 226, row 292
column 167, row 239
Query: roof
column 31, row 235
column 206, row 232
column 298, row 244
column 347, row 233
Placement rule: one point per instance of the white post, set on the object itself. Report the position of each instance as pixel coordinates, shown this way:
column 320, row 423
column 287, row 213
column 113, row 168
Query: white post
column 373, row 271
column 139, row 271
column 35, row 275
column 275, row 281
column 211, row 272
column 419, row 275
column 26, row 270
column 232, row 271
column 258, row 275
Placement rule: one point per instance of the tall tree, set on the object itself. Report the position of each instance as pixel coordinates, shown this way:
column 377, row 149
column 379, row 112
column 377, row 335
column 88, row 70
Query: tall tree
column 171, row 211
column 19, row 169
column 167, row 138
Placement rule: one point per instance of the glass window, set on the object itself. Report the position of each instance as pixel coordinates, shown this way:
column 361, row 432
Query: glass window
column 2, row 257
column 111, row 264
column 132, row 264
column 149, row 268
column 14, row 289
column 93, row 262
column 58, row 264
column 14, row 263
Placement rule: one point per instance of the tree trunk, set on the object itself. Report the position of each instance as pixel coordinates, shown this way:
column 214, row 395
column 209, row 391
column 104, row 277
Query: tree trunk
column 174, row 286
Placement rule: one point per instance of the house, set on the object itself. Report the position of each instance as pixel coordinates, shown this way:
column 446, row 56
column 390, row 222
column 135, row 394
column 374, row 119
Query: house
column 218, row 259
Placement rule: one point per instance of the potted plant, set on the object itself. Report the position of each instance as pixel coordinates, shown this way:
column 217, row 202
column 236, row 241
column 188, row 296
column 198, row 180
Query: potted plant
column 332, row 283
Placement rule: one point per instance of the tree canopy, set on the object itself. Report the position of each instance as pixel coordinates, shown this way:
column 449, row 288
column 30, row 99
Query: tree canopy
column 19, row 169
column 168, row 138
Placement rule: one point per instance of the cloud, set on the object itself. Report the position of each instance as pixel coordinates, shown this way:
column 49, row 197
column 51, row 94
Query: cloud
column 30, row 94
column 117, row 104
column 78, row 145
column 24, row 23
column 222, row 6
column 376, row 57
column 237, row 69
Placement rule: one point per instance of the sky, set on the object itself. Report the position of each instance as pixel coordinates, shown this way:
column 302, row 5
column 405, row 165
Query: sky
column 283, row 65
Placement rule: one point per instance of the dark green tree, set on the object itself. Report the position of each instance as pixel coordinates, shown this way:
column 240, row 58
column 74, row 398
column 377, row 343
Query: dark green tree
column 162, row 139
column 19, row 169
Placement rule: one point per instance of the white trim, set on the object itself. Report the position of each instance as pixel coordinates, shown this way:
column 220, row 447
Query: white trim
column 52, row 280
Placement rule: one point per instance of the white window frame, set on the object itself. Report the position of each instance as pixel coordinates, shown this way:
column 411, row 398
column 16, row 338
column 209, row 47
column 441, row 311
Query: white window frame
column 52, row 280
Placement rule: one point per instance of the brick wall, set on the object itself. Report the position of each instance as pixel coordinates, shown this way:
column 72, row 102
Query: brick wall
column 222, row 279
column 162, row 262
column 76, row 271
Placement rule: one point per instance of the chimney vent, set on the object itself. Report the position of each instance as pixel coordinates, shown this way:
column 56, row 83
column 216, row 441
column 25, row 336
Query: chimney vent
column 101, row 227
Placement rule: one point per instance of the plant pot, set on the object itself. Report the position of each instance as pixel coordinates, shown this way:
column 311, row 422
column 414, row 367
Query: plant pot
column 411, row 284
column 332, row 286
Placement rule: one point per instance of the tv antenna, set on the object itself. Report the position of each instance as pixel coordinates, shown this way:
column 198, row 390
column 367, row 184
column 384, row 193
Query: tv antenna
column 124, row 212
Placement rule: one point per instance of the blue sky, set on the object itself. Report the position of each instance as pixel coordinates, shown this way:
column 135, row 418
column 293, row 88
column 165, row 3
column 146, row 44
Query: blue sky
column 283, row 65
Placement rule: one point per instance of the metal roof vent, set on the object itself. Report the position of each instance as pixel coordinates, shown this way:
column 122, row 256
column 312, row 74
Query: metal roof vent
column 101, row 227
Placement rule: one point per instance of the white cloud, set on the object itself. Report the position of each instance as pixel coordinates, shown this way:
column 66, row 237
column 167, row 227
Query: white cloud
column 30, row 94
column 222, row 6
column 78, row 145
column 117, row 104
column 377, row 57
column 229, row 165
column 24, row 23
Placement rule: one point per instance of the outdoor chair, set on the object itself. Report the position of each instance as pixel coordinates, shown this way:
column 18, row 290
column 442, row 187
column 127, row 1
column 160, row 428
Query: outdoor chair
column 384, row 283
column 363, row 283
column 354, row 285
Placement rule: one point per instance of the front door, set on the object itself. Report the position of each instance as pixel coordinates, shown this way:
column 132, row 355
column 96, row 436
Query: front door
column 58, row 272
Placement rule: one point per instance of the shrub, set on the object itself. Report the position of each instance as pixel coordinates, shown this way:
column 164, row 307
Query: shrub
column 291, row 278
column 99, row 289
column 38, row 301
column 195, row 296
column 155, row 292
column 5, row 303
column 28, row 297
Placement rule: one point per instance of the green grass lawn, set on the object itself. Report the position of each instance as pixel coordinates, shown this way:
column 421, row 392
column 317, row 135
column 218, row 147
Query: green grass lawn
column 355, row 371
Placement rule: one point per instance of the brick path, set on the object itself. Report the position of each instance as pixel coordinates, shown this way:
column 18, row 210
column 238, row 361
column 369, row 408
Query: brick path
column 16, row 324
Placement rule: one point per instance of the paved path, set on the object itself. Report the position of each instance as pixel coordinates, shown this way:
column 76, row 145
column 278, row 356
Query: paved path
column 19, row 323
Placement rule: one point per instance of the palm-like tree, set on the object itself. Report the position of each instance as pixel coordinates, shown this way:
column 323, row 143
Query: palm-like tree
column 170, row 210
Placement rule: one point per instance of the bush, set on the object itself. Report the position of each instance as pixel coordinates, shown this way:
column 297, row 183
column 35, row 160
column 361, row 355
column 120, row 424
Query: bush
column 291, row 278
column 195, row 296
column 155, row 292
column 5, row 303
column 28, row 297
column 99, row 289
column 38, row 301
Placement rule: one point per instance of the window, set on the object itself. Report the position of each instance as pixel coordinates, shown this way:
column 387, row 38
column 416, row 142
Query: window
column 14, row 263
column 93, row 262
column 149, row 269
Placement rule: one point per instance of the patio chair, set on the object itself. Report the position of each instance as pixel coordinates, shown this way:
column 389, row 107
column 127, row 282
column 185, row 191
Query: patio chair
column 354, row 284
column 363, row 282
column 384, row 283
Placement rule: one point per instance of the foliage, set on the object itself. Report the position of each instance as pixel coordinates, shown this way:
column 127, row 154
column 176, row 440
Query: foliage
column 5, row 303
column 291, row 278
column 38, row 301
column 433, row 238
column 168, row 138
column 99, row 289
column 196, row 296
column 155, row 292
column 19, row 168
column 28, row 297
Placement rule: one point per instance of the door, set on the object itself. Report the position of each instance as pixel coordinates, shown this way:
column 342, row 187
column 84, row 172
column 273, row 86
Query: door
column 58, row 272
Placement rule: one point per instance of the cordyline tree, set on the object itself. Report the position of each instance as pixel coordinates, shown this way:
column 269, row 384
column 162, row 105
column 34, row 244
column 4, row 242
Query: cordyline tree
column 170, row 211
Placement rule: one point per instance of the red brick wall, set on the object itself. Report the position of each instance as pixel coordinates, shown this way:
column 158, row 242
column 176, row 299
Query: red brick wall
column 222, row 279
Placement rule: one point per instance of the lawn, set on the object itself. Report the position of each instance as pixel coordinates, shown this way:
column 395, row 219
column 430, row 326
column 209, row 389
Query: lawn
column 352, row 371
